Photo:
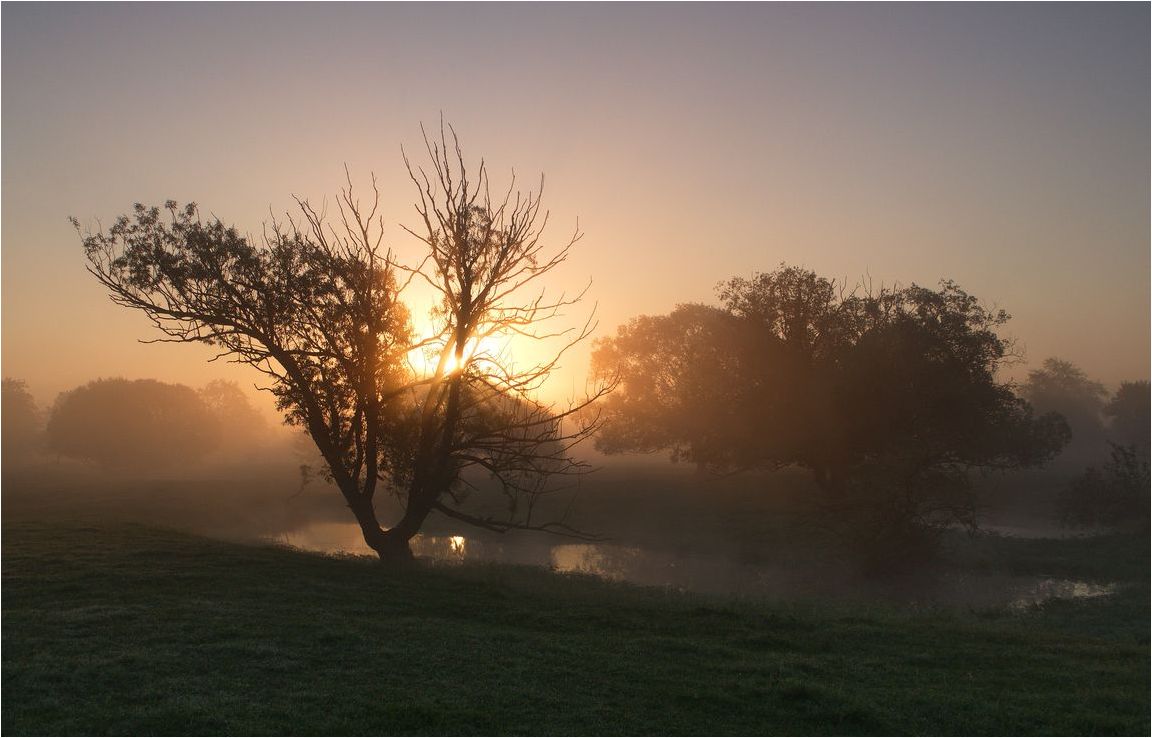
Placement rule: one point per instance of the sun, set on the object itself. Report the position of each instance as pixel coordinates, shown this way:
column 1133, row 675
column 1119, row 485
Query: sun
column 425, row 359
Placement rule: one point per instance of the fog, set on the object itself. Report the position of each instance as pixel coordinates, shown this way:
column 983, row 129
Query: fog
column 575, row 368
column 637, row 518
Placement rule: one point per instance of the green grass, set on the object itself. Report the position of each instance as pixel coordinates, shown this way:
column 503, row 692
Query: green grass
column 128, row 629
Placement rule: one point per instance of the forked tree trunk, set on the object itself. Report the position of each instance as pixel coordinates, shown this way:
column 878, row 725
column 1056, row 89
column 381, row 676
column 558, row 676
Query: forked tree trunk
column 392, row 544
column 432, row 476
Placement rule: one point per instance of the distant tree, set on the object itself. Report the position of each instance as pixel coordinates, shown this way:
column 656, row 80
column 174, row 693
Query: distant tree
column 132, row 424
column 22, row 424
column 888, row 397
column 712, row 389
column 1113, row 495
column 241, row 426
column 1130, row 415
column 1060, row 386
column 318, row 309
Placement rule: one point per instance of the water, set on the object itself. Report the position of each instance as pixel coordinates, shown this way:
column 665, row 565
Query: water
column 714, row 575
column 1049, row 588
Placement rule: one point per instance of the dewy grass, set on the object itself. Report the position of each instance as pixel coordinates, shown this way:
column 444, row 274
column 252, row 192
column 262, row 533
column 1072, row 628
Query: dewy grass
column 127, row 629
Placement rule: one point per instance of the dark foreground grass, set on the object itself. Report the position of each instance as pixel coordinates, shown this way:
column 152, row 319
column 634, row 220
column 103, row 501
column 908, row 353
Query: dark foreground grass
column 114, row 630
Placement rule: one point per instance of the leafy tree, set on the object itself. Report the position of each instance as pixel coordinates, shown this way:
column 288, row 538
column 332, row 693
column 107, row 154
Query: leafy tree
column 1060, row 386
column 888, row 397
column 319, row 309
column 132, row 424
column 241, row 425
column 22, row 424
column 1130, row 415
column 1115, row 495
column 709, row 387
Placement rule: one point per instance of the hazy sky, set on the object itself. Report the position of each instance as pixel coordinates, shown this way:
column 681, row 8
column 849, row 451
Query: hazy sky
column 1005, row 147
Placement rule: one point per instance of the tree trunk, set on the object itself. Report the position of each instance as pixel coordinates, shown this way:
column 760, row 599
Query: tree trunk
column 392, row 545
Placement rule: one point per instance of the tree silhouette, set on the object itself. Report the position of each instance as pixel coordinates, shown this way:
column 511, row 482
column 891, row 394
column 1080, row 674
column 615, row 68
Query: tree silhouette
column 1114, row 494
column 317, row 307
column 241, row 426
column 1130, row 415
column 132, row 424
column 22, row 423
column 1060, row 386
column 889, row 397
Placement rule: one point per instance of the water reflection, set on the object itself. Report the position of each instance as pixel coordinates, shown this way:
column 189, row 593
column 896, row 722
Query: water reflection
column 607, row 562
column 441, row 548
column 711, row 575
column 1049, row 589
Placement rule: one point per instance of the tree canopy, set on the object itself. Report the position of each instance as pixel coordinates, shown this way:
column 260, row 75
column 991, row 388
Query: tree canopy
column 1130, row 415
column 132, row 424
column 241, row 426
column 1059, row 386
column 888, row 396
column 22, row 422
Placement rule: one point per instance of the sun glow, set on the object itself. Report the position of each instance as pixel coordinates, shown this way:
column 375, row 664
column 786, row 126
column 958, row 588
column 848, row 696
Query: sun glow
column 425, row 359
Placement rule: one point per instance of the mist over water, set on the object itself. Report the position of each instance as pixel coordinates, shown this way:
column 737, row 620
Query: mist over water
column 810, row 397
column 712, row 575
column 667, row 526
column 115, row 451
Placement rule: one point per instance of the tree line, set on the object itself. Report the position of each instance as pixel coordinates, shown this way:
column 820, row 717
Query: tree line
column 130, row 425
column 891, row 397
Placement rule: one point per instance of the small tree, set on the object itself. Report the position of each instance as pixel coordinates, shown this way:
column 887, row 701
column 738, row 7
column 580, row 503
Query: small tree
column 132, row 424
column 888, row 397
column 318, row 309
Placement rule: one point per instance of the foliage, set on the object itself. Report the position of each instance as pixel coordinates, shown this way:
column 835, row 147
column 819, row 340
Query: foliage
column 319, row 309
column 1060, row 386
column 1130, row 415
column 888, row 397
column 241, row 426
column 22, row 423
column 1114, row 495
column 138, row 424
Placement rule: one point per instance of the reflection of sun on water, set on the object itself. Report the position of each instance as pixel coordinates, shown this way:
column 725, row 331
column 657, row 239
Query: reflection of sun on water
column 588, row 558
column 441, row 548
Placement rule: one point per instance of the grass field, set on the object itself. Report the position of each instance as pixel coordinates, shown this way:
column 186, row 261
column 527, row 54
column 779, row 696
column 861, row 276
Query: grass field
column 125, row 629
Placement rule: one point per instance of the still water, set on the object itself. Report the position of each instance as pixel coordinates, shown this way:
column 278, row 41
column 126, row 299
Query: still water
column 713, row 575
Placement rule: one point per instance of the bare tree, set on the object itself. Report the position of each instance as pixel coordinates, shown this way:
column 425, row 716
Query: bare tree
column 485, row 262
column 317, row 306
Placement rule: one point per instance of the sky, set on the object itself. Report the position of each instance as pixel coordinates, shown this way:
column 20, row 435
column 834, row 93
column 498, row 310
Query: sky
column 1003, row 146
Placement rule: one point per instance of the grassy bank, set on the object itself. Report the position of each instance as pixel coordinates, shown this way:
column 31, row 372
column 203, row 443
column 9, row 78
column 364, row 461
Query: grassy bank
column 127, row 629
